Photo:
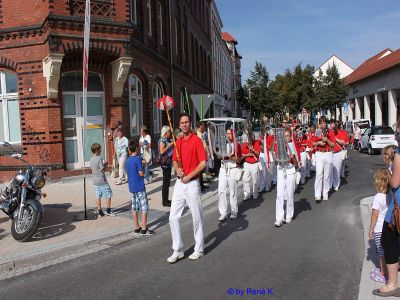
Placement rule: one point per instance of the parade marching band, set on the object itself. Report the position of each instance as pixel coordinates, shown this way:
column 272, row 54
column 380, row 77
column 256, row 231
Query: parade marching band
column 283, row 157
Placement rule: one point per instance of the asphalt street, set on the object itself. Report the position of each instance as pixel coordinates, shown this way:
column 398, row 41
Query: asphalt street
column 317, row 256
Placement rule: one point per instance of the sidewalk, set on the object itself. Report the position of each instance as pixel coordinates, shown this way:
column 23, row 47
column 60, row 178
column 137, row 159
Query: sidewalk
column 65, row 234
column 371, row 259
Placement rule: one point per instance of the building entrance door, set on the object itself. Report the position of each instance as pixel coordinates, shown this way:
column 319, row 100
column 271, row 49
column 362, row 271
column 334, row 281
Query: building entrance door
column 73, row 127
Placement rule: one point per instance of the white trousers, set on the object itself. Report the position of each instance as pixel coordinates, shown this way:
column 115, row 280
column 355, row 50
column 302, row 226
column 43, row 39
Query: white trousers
column 343, row 166
column 274, row 172
column 121, row 162
column 189, row 194
column 264, row 177
column 337, row 162
column 285, row 187
column 250, row 173
column 227, row 180
column 308, row 165
column 303, row 159
column 323, row 164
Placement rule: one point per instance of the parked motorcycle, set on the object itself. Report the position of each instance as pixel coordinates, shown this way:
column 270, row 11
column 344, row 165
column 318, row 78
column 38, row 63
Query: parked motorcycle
column 20, row 200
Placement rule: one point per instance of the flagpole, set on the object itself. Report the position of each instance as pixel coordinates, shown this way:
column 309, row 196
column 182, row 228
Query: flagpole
column 86, row 36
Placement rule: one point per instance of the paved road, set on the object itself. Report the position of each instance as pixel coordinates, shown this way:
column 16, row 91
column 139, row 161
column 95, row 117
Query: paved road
column 317, row 256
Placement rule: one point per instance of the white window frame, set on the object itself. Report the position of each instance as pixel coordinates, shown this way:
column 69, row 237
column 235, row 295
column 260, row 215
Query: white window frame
column 5, row 97
column 137, row 100
column 133, row 11
column 157, row 122
column 160, row 20
column 150, row 29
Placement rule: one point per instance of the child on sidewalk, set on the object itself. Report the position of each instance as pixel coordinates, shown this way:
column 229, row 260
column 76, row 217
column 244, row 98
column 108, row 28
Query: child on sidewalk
column 379, row 208
column 137, row 190
column 100, row 183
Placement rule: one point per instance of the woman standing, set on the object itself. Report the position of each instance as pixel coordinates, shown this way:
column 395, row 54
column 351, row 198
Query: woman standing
column 389, row 238
column 145, row 151
column 121, row 150
column 165, row 150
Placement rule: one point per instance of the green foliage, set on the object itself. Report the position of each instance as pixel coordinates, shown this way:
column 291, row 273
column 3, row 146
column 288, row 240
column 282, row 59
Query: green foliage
column 292, row 91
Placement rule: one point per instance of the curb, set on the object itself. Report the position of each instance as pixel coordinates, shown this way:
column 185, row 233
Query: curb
column 19, row 264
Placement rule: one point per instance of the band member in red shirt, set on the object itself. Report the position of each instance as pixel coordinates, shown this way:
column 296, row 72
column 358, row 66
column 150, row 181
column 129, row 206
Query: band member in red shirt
column 188, row 166
column 347, row 142
column 250, row 153
column 227, row 179
column 323, row 141
column 338, row 154
column 286, row 184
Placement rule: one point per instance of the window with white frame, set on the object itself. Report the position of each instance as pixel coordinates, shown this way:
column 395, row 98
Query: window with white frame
column 133, row 11
column 149, row 18
column 10, row 129
column 160, row 21
column 135, row 104
column 157, row 92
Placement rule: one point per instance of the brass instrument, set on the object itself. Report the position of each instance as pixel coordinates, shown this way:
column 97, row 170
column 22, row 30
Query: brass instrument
column 218, row 140
column 281, row 156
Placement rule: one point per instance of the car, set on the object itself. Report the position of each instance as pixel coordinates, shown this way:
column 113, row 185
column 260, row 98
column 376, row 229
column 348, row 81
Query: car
column 376, row 138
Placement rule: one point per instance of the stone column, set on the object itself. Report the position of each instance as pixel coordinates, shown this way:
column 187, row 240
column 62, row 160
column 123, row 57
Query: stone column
column 378, row 109
column 357, row 107
column 367, row 108
column 392, row 108
column 351, row 117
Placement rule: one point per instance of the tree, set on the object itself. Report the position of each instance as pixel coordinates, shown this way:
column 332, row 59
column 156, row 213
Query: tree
column 257, row 101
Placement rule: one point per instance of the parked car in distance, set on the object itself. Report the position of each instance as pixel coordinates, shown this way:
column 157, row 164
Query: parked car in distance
column 375, row 138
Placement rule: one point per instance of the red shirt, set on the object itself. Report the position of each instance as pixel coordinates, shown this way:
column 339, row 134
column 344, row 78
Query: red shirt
column 191, row 152
column 245, row 150
column 302, row 144
column 341, row 135
column 331, row 137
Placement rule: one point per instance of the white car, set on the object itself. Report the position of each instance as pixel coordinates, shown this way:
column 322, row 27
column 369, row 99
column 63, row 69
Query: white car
column 376, row 138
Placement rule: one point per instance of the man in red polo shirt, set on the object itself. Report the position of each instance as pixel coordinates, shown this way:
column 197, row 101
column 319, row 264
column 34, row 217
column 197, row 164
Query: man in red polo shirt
column 250, row 153
column 323, row 143
column 188, row 164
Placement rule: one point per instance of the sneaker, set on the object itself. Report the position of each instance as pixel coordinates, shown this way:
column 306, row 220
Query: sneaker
column 223, row 217
column 325, row 198
column 124, row 180
column 138, row 230
column 278, row 224
column 336, row 188
column 175, row 257
column 101, row 213
column 318, row 200
column 287, row 220
column 196, row 255
column 147, row 232
column 233, row 216
column 118, row 182
column 110, row 213
column 378, row 277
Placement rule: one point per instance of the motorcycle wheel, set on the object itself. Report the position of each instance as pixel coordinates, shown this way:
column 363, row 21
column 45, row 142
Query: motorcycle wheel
column 23, row 229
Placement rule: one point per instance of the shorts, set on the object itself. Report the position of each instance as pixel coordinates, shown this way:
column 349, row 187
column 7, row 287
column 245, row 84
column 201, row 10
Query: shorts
column 103, row 190
column 377, row 240
column 389, row 243
column 139, row 201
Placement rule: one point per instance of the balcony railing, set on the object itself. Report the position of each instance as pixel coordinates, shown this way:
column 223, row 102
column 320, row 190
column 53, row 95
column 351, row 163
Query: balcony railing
column 98, row 8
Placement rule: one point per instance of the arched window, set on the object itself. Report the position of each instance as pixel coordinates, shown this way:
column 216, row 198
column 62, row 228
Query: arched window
column 135, row 104
column 157, row 92
column 10, row 129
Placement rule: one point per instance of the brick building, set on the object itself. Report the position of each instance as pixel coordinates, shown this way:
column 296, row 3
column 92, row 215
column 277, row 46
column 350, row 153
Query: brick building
column 139, row 49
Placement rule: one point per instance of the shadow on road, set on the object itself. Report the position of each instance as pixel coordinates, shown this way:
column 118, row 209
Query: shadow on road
column 57, row 220
column 300, row 206
column 225, row 229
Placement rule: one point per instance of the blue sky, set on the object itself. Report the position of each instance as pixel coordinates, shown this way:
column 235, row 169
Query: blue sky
column 282, row 33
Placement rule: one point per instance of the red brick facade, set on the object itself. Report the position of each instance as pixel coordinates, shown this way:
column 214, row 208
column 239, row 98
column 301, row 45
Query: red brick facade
column 56, row 27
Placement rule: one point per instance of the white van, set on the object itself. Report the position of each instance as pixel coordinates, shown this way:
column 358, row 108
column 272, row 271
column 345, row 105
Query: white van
column 362, row 124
